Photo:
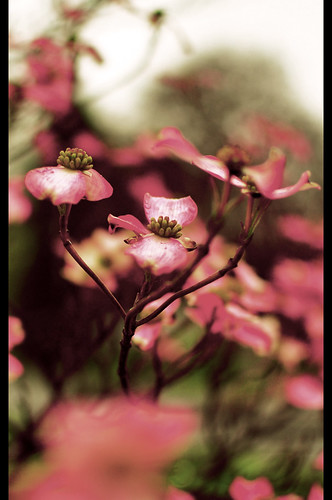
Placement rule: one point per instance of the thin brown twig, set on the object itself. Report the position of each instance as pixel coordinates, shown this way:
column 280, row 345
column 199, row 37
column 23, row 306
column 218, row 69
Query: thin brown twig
column 64, row 235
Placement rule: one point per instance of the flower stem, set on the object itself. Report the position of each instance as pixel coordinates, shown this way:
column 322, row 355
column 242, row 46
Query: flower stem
column 232, row 263
column 64, row 235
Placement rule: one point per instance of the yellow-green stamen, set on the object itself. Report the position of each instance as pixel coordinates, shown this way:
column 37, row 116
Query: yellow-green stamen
column 164, row 227
column 75, row 159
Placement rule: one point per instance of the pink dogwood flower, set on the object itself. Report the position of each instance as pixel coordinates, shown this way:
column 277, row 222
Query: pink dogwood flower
column 265, row 179
column 159, row 246
column 70, row 181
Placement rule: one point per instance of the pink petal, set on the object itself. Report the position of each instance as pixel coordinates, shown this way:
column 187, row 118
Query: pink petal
column 15, row 368
column 97, row 188
column 268, row 177
column 256, row 489
column 160, row 255
column 316, row 492
column 16, row 332
column 127, row 222
column 183, row 210
column 172, row 140
column 60, row 185
column 302, row 184
column 304, row 391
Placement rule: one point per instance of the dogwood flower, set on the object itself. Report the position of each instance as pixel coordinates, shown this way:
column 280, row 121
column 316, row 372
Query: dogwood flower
column 265, row 179
column 159, row 246
column 70, row 181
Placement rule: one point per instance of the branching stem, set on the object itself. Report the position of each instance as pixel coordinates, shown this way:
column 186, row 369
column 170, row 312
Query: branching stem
column 64, row 235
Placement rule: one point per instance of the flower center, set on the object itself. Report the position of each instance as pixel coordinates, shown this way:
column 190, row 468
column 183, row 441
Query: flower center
column 234, row 158
column 164, row 227
column 75, row 159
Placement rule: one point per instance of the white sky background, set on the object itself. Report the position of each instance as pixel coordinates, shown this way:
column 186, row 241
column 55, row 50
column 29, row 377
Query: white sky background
column 291, row 31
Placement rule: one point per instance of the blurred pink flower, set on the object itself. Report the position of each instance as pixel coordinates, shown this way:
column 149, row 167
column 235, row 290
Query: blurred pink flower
column 299, row 285
column 16, row 335
column 233, row 322
column 65, row 185
column 150, row 182
column 266, row 177
column 19, row 205
column 299, row 229
column 47, row 145
column 304, row 391
column 86, row 140
column 319, row 461
column 138, row 153
column 93, row 450
column 50, row 81
column 103, row 253
column 175, row 494
column 159, row 246
column 316, row 492
column 147, row 334
column 257, row 294
column 257, row 134
column 255, row 489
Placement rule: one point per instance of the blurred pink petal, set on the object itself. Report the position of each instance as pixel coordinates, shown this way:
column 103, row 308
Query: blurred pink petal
column 302, row 230
column 290, row 496
column 62, row 185
column 258, row 133
column 316, row 492
column 135, row 155
column 258, row 333
column 183, row 210
column 86, row 434
column 87, row 141
column 256, row 489
column 151, row 182
column 209, row 310
column 319, row 461
column 50, row 81
column 304, row 391
column 19, row 205
column 48, row 145
column 175, row 494
column 146, row 335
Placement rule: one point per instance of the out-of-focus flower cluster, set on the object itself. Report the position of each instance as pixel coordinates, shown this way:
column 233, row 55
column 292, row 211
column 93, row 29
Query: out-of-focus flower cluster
column 100, row 448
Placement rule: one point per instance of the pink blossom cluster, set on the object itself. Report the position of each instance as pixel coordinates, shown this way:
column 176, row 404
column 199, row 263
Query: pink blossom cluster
column 116, row 446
